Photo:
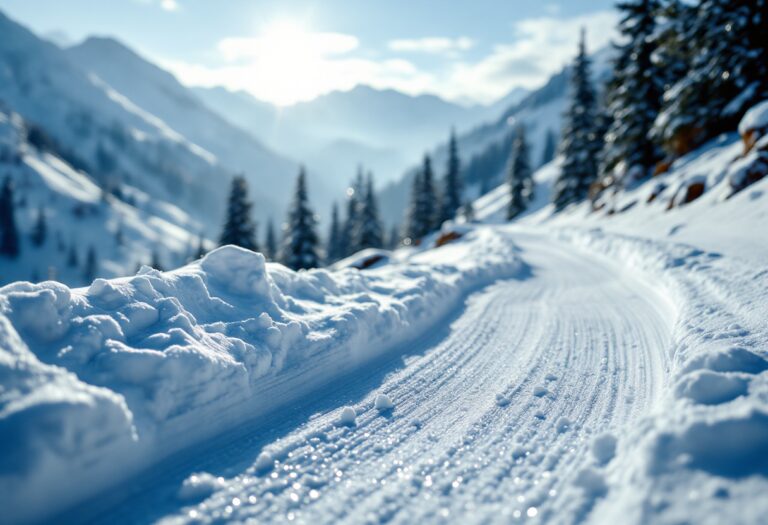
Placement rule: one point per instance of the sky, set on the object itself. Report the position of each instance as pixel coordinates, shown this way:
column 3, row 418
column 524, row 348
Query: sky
column 287, row 51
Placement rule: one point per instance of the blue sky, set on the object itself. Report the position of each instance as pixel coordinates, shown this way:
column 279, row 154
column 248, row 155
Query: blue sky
column 285, row 51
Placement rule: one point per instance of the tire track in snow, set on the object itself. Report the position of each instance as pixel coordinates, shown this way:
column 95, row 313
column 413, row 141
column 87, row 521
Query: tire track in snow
column 491, row 424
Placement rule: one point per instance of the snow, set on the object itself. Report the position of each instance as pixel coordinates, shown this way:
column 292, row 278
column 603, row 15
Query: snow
column 383, row 403
column 348, row 417
column 199, row 486
column 756, row 119
column 164, row 360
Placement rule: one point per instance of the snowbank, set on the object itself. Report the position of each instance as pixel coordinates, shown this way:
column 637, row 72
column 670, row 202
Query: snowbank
column 707, row 439
column 100, row 382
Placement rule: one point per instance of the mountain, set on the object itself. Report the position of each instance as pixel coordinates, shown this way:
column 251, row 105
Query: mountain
column 98, row 130
column 384, row 130
column 123, row 233
column 485, row 149
column 158, row 93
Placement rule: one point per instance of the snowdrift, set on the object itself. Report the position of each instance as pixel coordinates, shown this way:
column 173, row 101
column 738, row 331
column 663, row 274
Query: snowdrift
column 100, row 382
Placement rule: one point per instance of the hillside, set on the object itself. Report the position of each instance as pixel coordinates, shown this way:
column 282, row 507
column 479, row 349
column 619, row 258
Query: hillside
column 159, row 94
column 382, row 129
column 485, row 148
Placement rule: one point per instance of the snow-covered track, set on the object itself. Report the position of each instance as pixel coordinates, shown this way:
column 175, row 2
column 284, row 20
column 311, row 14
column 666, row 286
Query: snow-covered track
column 495, row 420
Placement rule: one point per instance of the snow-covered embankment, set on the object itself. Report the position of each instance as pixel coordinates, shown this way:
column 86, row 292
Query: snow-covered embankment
column 99, row 383
column 705, row 440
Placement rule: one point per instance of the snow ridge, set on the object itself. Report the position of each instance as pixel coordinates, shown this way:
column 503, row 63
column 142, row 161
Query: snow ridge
column 710, row 428
column 149, row 364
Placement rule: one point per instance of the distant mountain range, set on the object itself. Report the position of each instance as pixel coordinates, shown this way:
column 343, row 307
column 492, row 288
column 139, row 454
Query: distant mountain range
column 485, row 149
column 384, row 130
column 98, row 117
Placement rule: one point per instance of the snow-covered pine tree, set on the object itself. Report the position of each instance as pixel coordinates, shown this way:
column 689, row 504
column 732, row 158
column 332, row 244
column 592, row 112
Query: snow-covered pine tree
column 91, row 265
column 239, row 228
column 9, row 234
column 414, row 228
column 550, row 147
column 519, row 176
column 429, row 199
column 450, row 197
column 300, row 241
column 421, row 216
column 633, row 98
column 270, row 242
column 40, row 228
column 369, row 232
column 334, row 249
column 580, row 144
column 468, row 211
column 726, row 74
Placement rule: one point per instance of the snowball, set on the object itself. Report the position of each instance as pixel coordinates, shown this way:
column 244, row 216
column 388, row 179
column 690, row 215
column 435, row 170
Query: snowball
column 591, row 482
column 563, row 424
column 604, row 448
column 240, row 271
column 264, row 463
column 348, row 417
column 383, row 403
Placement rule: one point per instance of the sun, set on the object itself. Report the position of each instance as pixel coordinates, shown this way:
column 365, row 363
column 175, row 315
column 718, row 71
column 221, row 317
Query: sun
column 289, row 62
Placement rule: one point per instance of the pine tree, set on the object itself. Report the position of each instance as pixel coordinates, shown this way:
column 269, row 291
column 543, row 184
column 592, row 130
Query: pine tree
column 727, row 71
column 550, row 147
column 421, row 214
column 450, row 198
column 72, row 259
column 334, row 249
column 354, row 198
column 270, row 243
column 580, row 143
column 9, row 234
column 520, row 176
column 369, row 232
column 634, row 97
column 429, row 196
column 91, row 265
column 468, row 211
column 155, row 261
column 393, row 241
column 239, row 228
column 40, row 229
column 300, row 241
column 200, row 251
column 414, row 224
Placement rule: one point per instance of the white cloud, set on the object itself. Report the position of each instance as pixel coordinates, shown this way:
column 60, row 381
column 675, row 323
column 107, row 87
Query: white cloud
column 542, row 46
column 288, row 63
column 433, row 45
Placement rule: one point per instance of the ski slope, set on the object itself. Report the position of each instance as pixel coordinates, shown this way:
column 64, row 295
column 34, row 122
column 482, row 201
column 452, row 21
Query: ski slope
column 494, row 419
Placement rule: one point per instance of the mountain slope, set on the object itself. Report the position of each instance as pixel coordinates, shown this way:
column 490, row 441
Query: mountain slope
column 158, row 93
column 382, row 129
column 485, row 149
column 99, row 130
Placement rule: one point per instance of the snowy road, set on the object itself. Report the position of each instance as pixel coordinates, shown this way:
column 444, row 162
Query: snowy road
column 494, row 418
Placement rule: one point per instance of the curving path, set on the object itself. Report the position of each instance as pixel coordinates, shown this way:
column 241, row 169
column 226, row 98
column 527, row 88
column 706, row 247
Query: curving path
column 494, row 419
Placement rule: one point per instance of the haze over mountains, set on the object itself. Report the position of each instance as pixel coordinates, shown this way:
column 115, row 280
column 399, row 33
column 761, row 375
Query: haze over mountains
column 99, row 116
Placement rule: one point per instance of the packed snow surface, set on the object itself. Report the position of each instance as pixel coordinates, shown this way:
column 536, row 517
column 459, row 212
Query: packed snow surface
column 100, row 382
column 598, row 365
